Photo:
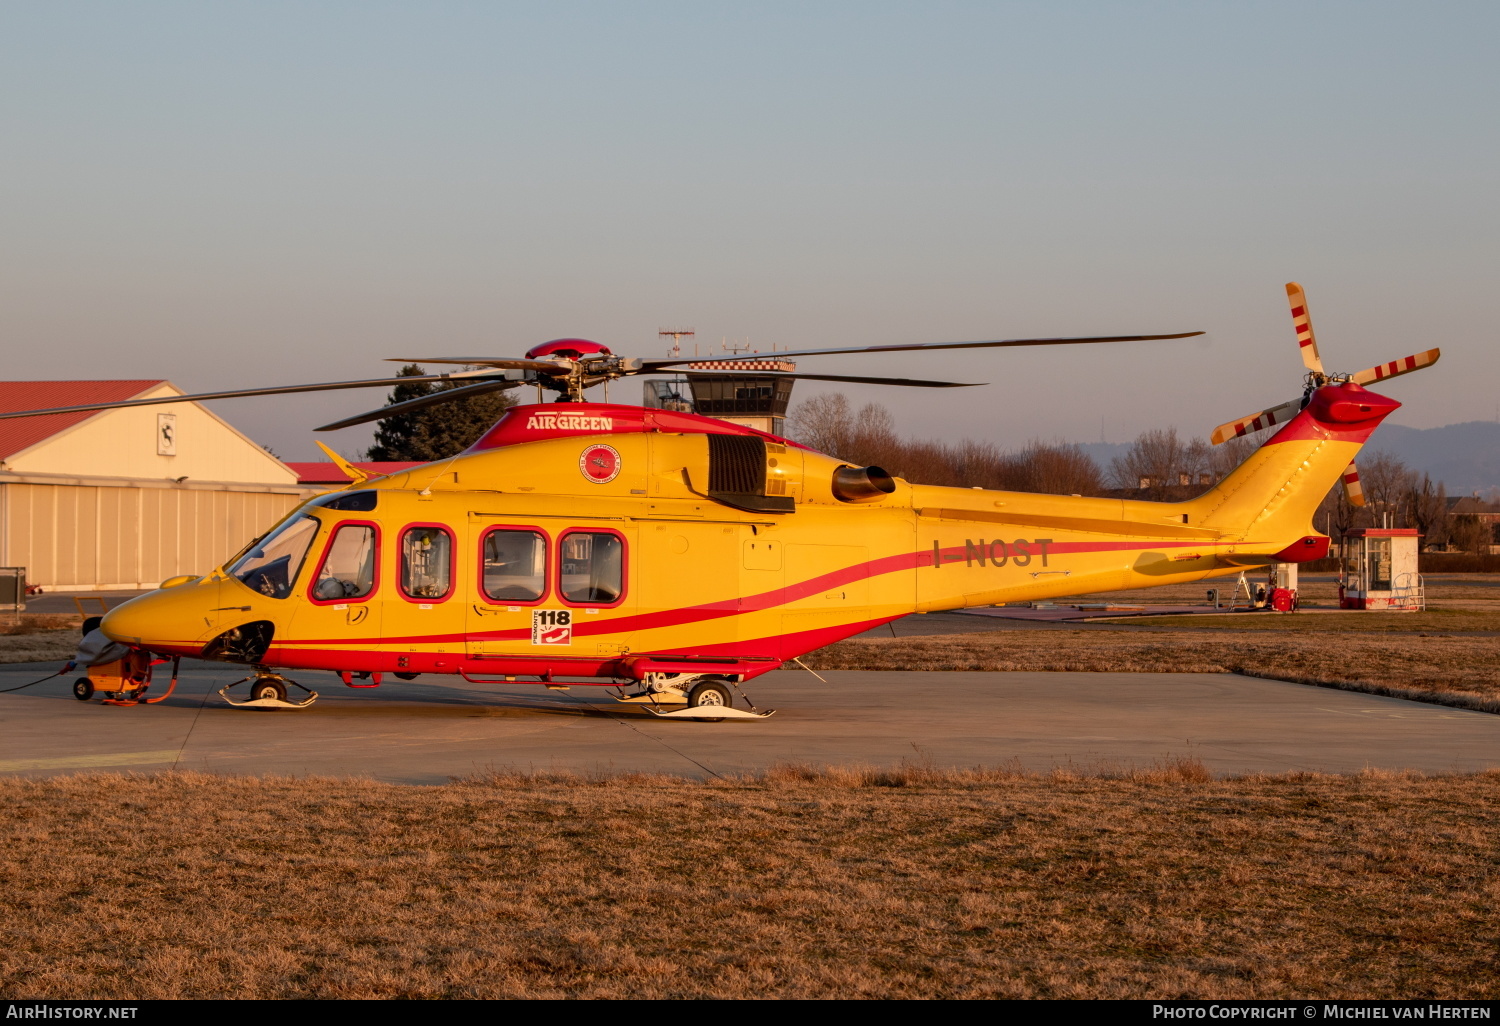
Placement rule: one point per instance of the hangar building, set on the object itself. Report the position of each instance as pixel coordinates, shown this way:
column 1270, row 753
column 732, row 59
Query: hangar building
column 123, row 499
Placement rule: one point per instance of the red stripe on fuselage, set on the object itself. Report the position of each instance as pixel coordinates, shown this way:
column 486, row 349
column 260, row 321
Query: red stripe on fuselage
column 755, row 603
column 759, row 655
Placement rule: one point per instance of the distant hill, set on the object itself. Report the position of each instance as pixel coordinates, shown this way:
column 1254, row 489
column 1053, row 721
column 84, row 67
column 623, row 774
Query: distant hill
column 1465, row 457
column 1103, row 452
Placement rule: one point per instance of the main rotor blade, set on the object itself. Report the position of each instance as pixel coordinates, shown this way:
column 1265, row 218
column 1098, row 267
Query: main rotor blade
column 242, row 393
column 1256, row 422
column 1302, row 321
column 833, row 377
column 1352, row 490
column 1396, row 368
column 447, row 395
column 485, row 361
column 651, row 365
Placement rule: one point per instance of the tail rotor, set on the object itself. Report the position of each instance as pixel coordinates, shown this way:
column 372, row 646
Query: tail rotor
column 1317, row 377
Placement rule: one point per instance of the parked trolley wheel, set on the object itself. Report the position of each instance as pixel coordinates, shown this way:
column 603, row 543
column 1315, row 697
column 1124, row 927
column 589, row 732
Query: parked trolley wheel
column 83, row 689
column 268, row 688
column 708, row 694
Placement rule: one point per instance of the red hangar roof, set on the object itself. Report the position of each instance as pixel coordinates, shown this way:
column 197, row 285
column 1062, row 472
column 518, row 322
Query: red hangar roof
column 22, row 433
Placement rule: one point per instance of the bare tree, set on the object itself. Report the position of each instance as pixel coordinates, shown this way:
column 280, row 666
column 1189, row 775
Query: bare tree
column 1148, row 463
column 1063, row 469
column 971, row 463
column 1387, row 482
column 1470, row 534
column 1335, row 516
column 1226, row 457
column 1159, row 462
column 829, row 424
column 1427, row 508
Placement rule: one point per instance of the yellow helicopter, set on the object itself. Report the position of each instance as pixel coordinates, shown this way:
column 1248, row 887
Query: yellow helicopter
column 677, row 556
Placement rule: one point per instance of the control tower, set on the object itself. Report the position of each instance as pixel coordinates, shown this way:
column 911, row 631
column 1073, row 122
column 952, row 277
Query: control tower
column 728, row 389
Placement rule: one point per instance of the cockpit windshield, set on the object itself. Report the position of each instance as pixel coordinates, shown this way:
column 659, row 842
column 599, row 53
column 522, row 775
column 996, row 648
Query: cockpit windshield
column 272, row 564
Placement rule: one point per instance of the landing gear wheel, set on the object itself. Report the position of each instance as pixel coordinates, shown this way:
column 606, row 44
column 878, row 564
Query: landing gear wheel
column 83, row 689
column 709, row 694
column 268, row 688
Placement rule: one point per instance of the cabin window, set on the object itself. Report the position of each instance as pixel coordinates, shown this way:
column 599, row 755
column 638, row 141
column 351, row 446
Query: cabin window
column 426, row 563
column 592, row 567
column 515, row 566
column 272, row 564
column 348, row 570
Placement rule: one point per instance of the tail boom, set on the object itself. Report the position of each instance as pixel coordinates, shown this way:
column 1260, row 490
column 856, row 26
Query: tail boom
column 1260, row 514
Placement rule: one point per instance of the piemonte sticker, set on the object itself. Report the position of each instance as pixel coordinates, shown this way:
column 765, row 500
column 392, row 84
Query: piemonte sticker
column 552, row 627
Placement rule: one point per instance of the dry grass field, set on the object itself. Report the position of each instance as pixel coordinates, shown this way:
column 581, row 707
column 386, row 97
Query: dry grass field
column 38, row 637
column 1442, row 655
column 1156, row 884
column 1460, row 671
column 39, row 646
column 1430, row 621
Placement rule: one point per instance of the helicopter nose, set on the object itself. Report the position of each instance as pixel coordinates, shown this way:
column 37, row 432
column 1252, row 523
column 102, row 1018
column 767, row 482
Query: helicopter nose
column 174, row 619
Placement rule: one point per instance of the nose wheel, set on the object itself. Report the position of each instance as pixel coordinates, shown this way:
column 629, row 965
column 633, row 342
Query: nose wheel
column 269, row 691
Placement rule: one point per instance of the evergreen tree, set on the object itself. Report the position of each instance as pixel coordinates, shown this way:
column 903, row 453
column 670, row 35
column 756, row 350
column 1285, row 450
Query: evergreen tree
column 436, row 432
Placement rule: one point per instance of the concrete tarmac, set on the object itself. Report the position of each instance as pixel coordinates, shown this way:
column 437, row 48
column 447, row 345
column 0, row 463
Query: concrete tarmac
column 437, row 728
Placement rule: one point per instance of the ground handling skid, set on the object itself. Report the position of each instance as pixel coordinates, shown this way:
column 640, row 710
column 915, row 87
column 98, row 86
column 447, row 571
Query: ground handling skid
column 706, row 697
column 268, row 690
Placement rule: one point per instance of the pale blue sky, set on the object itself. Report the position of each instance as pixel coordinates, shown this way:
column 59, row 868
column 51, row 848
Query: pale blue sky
column 241, row 194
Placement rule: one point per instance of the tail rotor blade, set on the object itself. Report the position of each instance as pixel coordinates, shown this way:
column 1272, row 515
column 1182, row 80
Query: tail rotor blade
column 1352, row 490
column 1302, row 321
column 1257, row 422
column 1396, row 368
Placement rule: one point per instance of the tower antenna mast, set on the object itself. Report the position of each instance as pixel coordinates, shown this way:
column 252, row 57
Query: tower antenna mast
column 676, row 335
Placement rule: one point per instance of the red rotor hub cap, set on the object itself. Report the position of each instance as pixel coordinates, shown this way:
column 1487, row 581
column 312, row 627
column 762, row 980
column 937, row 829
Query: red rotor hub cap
column 571, row 347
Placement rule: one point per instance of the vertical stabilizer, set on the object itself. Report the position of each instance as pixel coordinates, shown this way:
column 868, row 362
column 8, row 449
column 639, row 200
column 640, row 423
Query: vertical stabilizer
column 1274, row 493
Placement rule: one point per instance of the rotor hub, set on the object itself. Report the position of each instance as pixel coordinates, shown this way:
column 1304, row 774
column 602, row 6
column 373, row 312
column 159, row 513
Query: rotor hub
column 571, row 348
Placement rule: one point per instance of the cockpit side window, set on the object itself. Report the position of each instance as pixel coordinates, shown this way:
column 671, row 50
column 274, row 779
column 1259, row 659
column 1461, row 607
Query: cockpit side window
column 273, row 563
column 348, row 570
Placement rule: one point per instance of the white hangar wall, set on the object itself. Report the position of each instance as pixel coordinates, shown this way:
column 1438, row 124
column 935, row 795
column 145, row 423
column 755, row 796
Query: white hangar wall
column 103, row 536
column 99, row 506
